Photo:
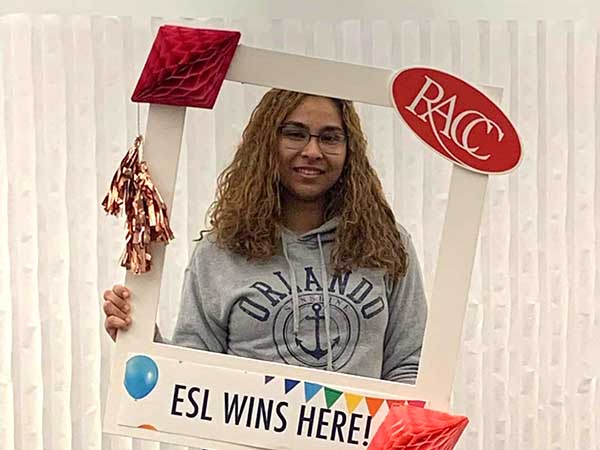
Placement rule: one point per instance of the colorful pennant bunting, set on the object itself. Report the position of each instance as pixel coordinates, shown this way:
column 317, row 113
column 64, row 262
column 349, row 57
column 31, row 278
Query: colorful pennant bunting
column 392, row 403
column 310, row 390
column 417, row 403
column 352, row 401
column 331, row 396
column 374, row 404
column 290, row 384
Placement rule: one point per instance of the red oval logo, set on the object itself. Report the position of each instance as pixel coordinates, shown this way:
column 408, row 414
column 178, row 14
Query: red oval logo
column 457, row 120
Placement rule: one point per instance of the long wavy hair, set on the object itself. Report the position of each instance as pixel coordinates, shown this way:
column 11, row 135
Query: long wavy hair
column 246, row 216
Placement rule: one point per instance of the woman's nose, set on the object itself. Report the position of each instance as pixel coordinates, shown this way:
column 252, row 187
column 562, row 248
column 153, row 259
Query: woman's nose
column 312, row 149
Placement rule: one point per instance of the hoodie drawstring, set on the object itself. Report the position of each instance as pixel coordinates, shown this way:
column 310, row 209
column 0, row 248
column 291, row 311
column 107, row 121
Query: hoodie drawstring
column 324, row 279
column 294, row 288
column 326, row 299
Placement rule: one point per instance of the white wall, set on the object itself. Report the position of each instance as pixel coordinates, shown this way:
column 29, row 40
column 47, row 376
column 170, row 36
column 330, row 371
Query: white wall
column 516, row 9
column 312, row 9
column 309, row 9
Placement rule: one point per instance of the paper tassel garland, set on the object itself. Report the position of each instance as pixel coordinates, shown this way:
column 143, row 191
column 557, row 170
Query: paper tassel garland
column 145, row 210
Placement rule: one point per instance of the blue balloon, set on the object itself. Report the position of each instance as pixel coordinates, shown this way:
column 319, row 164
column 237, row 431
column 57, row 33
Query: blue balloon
column 141, row 376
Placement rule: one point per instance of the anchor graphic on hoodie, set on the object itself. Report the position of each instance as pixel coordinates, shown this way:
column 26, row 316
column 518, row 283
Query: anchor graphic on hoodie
column 316, row 352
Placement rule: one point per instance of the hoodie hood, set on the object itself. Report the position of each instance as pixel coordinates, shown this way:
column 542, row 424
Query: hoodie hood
column 326, row 232
column 313, row 240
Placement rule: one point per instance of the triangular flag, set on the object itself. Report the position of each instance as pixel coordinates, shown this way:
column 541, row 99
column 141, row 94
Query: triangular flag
column 391, row 403
column 352, row 401
column 331, row 396
column 290, row 384
column 268, row 378
column 310, row 390
column 374, row 404
column 417, row 403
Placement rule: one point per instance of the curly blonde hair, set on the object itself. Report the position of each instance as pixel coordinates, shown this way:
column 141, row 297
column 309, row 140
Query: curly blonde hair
column 246, row 216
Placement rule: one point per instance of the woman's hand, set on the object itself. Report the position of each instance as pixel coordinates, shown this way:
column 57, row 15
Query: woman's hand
column 116, row 307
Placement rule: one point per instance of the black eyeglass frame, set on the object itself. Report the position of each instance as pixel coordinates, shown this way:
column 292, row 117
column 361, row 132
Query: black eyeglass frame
column 325, row 148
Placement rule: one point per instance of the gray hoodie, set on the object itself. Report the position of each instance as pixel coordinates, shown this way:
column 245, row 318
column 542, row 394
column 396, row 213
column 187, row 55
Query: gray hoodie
column 277, row 310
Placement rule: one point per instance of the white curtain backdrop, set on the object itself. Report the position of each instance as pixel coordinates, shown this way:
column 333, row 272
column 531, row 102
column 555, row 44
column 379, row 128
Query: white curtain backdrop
column 528, row 375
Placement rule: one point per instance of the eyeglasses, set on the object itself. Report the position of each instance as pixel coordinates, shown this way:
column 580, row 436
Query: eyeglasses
column 331, row 142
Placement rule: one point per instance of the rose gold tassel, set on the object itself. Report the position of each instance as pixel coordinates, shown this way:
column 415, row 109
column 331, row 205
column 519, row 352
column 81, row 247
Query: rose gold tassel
column 147, row 219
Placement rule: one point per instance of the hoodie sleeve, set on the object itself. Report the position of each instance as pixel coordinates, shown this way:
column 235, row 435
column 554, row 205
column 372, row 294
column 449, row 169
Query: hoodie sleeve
column 406, row 326
column 196, row 327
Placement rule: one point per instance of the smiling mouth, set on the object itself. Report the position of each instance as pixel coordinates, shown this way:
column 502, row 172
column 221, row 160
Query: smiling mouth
column 305, row 171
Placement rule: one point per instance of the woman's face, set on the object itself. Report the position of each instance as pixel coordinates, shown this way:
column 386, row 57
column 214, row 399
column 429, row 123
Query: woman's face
column 309, row 170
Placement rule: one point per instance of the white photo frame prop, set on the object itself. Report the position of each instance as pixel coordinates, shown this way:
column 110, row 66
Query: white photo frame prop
column 193, row 401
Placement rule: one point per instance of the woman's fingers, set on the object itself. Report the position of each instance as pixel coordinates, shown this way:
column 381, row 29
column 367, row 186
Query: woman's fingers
column 114, row 322
column 110, row 309
column 112, row 332
column 115, row 296
column 116, row 308
column 121, row 291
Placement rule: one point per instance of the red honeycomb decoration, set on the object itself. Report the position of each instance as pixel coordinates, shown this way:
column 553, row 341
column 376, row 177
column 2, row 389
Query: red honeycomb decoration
column 186, row 66
column 414, row 428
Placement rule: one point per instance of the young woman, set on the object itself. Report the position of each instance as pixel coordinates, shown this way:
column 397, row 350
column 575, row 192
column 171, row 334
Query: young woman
column 304, row 262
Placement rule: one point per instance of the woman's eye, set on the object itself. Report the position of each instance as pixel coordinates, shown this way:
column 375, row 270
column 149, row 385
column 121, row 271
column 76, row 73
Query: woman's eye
column 294, row 134
column 331, row 138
